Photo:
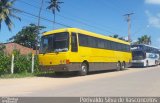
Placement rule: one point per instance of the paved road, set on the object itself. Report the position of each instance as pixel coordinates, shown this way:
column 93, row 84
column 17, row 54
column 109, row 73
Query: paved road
column 130, row 82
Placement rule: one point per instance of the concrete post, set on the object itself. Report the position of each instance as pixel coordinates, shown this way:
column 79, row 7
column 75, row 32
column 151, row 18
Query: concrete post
column 12, row 64
column 32, row 63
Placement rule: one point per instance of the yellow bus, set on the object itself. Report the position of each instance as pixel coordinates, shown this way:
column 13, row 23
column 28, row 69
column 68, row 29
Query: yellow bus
column 73, row 49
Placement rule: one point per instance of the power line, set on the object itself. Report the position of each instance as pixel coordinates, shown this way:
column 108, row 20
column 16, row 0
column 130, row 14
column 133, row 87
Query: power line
column 83, row 23
column 45, row 19
column 141, row 29
column 26, row 20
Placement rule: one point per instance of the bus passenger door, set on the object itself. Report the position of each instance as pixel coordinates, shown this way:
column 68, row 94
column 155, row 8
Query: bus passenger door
column 74, row 56
column 74, row 44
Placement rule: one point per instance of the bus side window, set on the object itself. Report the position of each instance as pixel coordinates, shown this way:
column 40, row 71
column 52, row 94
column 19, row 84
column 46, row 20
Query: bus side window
column 74, row 46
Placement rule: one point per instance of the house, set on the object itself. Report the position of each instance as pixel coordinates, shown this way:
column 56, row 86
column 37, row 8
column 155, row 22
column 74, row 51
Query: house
column 9, row 47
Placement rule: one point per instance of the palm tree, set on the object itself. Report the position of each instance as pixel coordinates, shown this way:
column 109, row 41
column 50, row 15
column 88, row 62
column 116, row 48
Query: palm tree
column 145, row 39
column 6, row 11
column 54, row 5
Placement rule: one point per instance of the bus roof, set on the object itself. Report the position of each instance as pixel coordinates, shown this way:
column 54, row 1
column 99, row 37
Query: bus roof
column 76, row 30
column 147, row 46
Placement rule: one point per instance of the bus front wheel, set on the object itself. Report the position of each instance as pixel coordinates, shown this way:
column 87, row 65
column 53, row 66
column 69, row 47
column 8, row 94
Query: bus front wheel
column 83, row 70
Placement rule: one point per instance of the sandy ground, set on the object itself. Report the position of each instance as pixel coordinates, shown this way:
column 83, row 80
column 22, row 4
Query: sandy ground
column 32, row 85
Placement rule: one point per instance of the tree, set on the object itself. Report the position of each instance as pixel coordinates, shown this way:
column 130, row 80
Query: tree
column 27, row 36
column 145, row 39
column 2, row 47
column 6, row 11
column 117, row 36
column 54, row 5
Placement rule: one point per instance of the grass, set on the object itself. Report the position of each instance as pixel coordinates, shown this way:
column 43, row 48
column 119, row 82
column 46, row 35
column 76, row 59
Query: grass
column 24, row 75
column 21, row 75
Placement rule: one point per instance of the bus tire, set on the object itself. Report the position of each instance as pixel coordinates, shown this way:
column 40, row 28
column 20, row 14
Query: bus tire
column 147, row 63
column 83, row 70
column 118, row 66
column 156, row 62
column 123, row 66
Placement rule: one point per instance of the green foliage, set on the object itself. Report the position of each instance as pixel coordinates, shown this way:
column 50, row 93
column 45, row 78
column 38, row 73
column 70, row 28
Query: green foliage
column 27, row 36
column 6, row 11
column 117, row 36
column 5, row 63
column 22, row 63
column 2, row 47
column 145, row 39
column 36, row 64
column 54, row 5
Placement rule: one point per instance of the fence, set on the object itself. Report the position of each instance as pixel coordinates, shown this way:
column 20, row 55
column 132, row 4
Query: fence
column 17, row 63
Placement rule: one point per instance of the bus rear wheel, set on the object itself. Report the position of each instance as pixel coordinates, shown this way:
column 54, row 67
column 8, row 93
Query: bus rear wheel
column 83, row 70
column 156, row 62
column 123, row 66
column 118, row 66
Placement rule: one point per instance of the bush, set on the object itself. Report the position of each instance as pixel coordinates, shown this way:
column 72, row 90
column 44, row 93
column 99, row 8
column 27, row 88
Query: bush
column 5, row 63
column 36, row 64
column 22, row 63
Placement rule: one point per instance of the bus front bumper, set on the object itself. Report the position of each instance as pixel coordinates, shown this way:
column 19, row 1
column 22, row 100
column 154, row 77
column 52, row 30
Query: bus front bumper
column 61, row 67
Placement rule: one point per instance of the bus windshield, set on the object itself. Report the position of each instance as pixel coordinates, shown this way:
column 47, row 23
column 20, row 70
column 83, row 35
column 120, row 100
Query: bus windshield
column 58, row 42
column 138, row 55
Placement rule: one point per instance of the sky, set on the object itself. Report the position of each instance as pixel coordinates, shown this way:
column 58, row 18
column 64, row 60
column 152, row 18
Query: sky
column 100, row 16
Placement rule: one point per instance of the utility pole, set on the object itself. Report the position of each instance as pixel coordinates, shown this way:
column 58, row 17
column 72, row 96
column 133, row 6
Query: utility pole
column 128, row 19
column 39, row 18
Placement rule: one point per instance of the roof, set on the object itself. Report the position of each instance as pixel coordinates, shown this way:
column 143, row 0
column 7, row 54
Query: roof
column 148, row 46
column 86, row 32
column 10, row 47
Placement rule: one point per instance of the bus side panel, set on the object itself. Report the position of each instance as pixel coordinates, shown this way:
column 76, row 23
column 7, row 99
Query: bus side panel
column 99, row 59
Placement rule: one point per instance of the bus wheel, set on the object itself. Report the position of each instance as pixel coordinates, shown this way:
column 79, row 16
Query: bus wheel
column 118, row 66
column 147, row 64
column 123, row 66
column 156, row 62
column 83, row 70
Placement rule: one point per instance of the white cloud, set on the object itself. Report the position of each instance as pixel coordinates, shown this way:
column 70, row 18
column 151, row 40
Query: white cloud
column 157, row 2
column 154, row 20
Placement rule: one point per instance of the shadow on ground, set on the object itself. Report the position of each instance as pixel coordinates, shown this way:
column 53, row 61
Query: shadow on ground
column 141, row 67
column 74, row 74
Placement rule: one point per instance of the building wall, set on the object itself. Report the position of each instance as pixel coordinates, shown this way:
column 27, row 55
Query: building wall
column 23, row 50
